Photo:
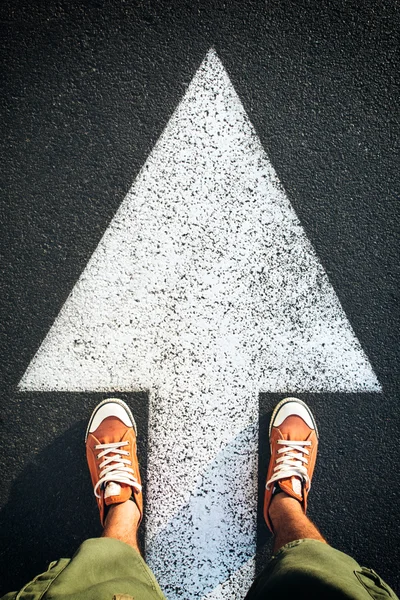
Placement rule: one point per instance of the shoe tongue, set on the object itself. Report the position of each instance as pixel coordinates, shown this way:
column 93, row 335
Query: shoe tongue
column 292, row 486
column 117, row 492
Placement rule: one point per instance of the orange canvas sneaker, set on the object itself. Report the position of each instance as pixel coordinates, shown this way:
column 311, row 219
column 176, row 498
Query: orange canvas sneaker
column 293, row 437
column 111, row 455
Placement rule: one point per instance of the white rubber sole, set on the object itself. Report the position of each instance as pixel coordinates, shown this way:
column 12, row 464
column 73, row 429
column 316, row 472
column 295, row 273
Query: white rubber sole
column 291, row 399
column 113, row 401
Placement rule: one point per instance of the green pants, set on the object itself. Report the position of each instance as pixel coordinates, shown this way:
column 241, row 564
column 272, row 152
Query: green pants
column 106, row 569
column 315, row 571
column 101, row 569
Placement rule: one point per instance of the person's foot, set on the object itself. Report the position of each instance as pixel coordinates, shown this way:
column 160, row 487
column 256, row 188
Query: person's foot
column 111, row 455
column 293, row 437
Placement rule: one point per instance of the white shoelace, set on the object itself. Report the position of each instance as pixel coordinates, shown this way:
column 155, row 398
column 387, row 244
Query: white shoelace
column 292, row 463
column 114, row 467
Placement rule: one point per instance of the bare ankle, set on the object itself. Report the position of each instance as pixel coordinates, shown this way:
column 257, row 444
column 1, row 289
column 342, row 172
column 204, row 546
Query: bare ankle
column 283, row 504
column 289, row 521
column 122, row 523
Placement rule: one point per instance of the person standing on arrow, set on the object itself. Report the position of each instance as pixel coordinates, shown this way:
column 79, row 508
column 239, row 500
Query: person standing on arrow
column 303, row 565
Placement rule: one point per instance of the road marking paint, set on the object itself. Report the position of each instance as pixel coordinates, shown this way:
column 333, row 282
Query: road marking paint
column 237, row 582
column 204, row 290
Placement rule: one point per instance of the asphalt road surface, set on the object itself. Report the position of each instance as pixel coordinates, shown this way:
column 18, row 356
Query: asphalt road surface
column 87, row 91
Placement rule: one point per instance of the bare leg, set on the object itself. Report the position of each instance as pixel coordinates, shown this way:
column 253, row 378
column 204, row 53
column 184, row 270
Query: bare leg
column 289, row 521
column 122, row 523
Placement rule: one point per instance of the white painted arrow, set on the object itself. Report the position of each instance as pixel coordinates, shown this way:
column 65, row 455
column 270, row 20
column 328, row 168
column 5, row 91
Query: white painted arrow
column 204, row 289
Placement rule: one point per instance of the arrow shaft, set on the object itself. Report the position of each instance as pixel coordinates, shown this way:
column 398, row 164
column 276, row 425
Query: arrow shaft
column 202, row 489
